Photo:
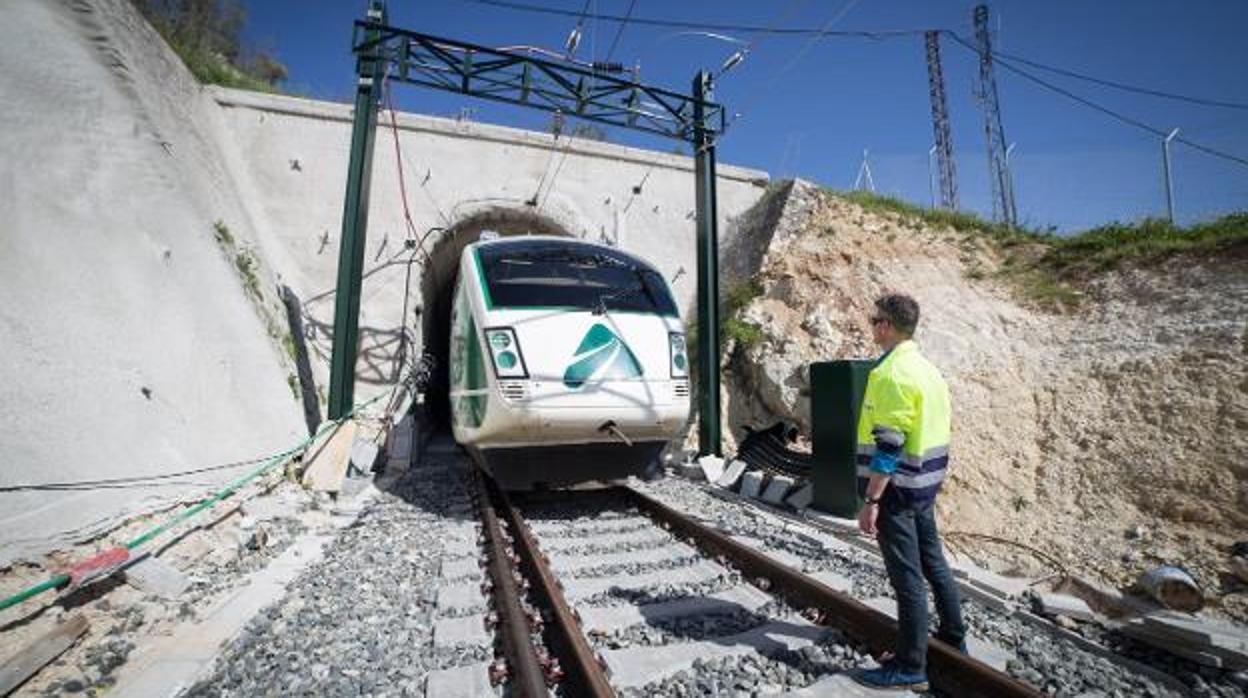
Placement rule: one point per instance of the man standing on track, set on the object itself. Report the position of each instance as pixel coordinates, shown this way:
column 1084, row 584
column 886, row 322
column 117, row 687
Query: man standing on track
column 903, row 455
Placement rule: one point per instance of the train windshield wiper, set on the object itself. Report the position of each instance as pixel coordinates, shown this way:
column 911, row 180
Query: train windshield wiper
column 641, row 287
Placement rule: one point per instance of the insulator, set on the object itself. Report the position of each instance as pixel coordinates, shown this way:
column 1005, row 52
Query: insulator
column 608, row 67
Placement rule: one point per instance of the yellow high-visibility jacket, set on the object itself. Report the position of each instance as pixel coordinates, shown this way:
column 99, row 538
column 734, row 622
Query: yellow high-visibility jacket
column 903, row 429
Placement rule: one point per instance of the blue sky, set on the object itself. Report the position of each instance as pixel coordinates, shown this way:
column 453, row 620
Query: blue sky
column 809, row 109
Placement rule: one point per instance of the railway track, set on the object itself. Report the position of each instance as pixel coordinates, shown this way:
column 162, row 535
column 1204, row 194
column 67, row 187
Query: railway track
column 636, row 598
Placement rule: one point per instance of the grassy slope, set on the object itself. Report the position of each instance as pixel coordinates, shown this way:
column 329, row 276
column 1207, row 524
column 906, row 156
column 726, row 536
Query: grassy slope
column 1048, row 269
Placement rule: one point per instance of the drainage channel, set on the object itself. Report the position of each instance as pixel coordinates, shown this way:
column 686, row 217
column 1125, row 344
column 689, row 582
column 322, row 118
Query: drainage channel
column 639, row 599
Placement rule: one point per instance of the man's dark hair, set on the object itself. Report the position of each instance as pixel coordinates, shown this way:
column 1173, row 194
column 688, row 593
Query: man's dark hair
column 901, row 310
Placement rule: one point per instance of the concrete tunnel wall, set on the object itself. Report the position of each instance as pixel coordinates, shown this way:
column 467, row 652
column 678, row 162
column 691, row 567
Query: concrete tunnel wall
column 463, row 177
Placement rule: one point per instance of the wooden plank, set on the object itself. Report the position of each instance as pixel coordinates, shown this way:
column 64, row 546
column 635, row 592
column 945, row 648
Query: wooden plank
column 26, row 663
column 327, row 466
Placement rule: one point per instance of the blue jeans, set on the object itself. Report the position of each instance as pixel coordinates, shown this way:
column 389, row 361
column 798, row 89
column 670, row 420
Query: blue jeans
column 911, row 548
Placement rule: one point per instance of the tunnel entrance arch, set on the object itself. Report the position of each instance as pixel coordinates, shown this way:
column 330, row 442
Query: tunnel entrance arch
column 437, row 285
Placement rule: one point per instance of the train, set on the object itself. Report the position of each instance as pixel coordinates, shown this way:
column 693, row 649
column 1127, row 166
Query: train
column 567, row 362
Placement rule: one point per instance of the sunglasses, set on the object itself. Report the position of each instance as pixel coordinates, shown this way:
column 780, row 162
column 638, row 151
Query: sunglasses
column 875, row 320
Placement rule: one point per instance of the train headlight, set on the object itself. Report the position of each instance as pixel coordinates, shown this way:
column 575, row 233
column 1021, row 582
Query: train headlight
column 680, row 355
column 505, row 350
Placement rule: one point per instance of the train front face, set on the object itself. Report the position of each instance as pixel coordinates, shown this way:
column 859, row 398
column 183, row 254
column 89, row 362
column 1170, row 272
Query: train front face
column 568, row 361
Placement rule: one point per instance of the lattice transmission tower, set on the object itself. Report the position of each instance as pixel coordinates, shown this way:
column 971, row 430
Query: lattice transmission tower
column 940, row 124
column 1003, row 209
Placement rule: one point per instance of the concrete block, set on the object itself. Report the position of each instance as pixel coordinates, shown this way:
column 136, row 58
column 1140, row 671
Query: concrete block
column 752, row 484
column 635, row 667
column 993, row 583
column 469, row 681
column 712, row 467
column 460, row 567
column 454, row 599
column 465, row 631
column 578, row 588
column 574, row 563
column 155, row 576
column 641, row 537
column 364, row 455
column 1063, row 605
column 884, row 605
column 801, row 497
column 991, row 654
column 777, row 488
column 607, row 619
column 731, row 474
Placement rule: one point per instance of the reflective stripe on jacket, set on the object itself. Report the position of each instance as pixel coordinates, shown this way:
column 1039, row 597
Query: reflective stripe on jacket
column 905, row 412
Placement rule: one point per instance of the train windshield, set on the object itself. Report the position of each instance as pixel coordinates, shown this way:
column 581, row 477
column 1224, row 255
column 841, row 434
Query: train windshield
column 545, row 274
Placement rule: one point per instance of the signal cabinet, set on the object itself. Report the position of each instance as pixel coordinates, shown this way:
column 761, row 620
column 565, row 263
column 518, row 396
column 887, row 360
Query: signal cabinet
column 836, row 390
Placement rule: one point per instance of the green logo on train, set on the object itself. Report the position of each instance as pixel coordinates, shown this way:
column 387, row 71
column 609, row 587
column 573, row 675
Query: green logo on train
column 603, row 356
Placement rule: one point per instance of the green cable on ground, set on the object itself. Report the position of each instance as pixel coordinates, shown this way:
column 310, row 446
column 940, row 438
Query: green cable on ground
column 61, row 579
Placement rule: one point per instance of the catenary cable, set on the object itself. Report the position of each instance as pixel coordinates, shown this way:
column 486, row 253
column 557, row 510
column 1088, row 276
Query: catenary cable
column 1004, row 63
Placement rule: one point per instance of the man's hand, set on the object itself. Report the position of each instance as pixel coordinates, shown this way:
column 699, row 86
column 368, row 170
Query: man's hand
column 866, row 519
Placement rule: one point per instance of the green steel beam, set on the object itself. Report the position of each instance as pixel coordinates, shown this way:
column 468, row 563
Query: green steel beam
column 355, row 223
column 708, row 270
column 517, row 78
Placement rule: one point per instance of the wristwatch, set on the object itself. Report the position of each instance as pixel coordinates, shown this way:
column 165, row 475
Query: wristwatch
column 873, row 502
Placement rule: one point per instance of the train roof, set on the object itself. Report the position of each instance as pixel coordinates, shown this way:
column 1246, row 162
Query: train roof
column 545, row 241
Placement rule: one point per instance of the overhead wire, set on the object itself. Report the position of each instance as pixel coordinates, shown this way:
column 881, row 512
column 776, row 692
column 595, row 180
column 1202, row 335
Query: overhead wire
column 1119, row 85
column 709, row 26
column 632, row 4
column 1005, row 63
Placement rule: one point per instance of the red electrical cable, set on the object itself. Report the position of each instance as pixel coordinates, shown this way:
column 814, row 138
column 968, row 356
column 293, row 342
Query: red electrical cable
column 398, row 159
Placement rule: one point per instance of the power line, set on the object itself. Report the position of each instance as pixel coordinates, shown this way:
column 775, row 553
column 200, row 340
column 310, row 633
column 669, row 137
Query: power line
column 708, row 26
column 620, row 31
column 1121, row 86
column 1103, row 109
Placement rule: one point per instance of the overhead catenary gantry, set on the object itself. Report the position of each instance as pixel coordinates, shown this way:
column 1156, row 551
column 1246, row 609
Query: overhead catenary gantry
column 390, row 53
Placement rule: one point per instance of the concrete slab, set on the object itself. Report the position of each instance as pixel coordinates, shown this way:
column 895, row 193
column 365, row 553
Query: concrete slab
column 673, row 551
column 704, row 571
column 752, row 484
column 364, row 455
column 837, row 582
column 634, row 667
column 460, row 567
column 155, row 576
column 455, row 599
column 174, row 662
column 463, row 631
column 801, row 497
column 989, row 653
column 884, row 605
column 1063, row 605
column 777, row 488
column 559, row 530
column 633, row 539
column 606, row 619
column 841, row 686
column 731, row 474
column 993, row 583
column 712, row 467
column 469, row 681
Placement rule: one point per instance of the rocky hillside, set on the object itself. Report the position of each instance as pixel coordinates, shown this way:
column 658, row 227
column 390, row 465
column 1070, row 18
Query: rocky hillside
column 1110, row 434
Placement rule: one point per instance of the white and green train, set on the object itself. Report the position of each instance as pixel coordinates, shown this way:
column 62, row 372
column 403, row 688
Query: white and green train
column 567, row 361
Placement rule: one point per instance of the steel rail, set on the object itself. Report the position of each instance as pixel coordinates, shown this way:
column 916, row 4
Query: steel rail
column 526, row 676
column 949, row 670
column 584, row 676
